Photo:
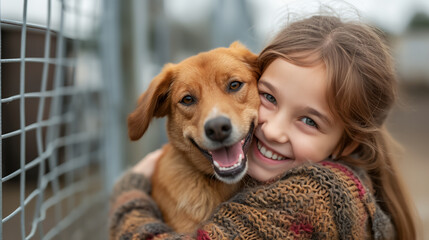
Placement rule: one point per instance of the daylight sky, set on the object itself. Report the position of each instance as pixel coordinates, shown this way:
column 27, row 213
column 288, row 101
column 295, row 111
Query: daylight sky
column 391, row 15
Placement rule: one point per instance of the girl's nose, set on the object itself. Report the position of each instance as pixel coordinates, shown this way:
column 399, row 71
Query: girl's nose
column 275, row 131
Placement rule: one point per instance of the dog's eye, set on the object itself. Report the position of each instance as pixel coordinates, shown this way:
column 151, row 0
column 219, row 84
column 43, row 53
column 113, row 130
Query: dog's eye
column 235, row 86
column 187, row 100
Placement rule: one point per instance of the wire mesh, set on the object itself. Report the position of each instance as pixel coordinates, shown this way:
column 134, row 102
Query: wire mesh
column 52, row 114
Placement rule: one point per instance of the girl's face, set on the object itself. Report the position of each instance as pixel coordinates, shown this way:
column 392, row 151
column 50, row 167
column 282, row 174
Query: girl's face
column 295, row 123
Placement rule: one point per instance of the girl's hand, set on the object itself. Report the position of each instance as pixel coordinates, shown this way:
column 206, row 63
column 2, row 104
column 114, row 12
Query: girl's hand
column 146, row 166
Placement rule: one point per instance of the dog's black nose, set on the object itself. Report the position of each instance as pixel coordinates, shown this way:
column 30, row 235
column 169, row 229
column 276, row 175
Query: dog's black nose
column 218, row 129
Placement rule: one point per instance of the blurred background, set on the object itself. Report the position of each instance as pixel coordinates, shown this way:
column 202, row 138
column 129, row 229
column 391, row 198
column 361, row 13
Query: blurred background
column 72, row 70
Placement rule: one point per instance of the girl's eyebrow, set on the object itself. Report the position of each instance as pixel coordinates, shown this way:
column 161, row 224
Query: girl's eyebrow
column 316, row 113
column 268, row 85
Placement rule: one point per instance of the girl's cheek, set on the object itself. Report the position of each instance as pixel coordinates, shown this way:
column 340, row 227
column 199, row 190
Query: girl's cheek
column 264, row 113
column 308, row 149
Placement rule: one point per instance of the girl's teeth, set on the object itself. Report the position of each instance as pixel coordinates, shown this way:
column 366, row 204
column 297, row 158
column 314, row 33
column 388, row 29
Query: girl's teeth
column 263, row 150
column 268, row 153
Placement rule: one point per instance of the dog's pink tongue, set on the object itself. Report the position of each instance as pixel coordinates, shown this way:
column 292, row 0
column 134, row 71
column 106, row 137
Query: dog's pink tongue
column 227, row 156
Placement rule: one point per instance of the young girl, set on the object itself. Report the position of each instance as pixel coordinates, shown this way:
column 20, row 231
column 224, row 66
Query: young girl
column 320, row 153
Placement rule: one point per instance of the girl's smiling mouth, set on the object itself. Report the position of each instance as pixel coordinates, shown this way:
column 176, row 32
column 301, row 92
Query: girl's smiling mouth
column 269, row 153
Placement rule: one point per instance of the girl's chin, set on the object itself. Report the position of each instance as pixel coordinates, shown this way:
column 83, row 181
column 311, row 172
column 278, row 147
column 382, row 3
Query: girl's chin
column 265, row 174
column 260, row 176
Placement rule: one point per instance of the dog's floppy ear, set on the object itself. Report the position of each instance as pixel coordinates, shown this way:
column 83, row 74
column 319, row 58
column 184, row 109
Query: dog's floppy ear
column 152, row 103
column 246, row 56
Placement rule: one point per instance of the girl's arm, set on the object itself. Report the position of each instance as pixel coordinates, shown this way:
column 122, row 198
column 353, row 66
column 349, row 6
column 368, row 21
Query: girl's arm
column 256, row 213
column 133, row 213
column 316, row 201
column 132, row 210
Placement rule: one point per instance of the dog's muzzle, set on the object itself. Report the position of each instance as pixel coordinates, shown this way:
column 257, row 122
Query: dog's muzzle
column 229, row 162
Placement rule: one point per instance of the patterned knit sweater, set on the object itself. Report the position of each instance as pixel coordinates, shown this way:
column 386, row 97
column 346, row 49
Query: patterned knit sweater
column 325, row 200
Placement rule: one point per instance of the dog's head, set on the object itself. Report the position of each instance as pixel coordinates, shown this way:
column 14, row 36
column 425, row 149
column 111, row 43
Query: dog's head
column 211, row 101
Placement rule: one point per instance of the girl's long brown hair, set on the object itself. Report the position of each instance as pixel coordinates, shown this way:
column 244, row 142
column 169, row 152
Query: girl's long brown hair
column 361, row 92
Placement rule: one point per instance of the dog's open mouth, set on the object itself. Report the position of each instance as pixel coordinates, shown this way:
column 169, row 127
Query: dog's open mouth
column 230, row 161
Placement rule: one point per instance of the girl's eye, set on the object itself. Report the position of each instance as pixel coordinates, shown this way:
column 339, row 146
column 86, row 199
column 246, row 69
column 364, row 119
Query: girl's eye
column 309, row 122
column 187, row 100
column 234, row 86
column 270, row 98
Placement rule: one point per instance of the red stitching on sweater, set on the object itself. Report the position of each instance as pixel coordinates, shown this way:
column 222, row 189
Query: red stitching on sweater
column 202, row 235
column 361, row 189
column 296, row 228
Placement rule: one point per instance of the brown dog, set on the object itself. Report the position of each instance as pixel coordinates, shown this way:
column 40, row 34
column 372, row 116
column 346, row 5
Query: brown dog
column 211, row 102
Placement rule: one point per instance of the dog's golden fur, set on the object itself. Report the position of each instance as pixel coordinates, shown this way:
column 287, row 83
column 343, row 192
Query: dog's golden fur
column 184, row 183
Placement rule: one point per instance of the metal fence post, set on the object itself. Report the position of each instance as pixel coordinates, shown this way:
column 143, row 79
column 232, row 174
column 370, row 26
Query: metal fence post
column 1, row 153
column 111, row 61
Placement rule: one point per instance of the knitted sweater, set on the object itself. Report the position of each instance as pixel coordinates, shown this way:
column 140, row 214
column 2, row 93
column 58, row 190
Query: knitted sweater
column 325, row 200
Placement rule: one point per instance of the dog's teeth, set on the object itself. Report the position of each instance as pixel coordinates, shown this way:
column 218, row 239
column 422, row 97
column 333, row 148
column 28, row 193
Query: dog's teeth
column 237, row 164
column 216, row 164
column 240, row 158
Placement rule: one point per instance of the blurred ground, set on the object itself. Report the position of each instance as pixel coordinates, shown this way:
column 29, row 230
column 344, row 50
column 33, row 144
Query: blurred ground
column 409, row 125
